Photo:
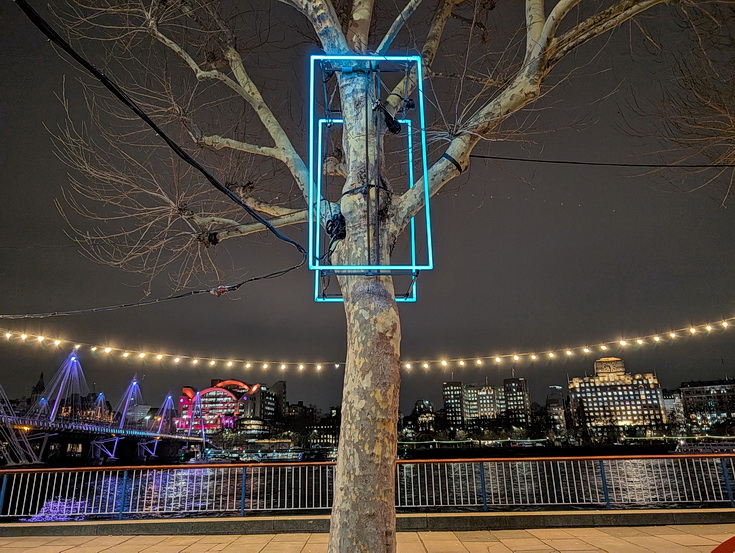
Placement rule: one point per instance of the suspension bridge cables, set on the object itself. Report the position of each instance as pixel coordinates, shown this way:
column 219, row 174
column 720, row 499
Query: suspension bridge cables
column 121, row 95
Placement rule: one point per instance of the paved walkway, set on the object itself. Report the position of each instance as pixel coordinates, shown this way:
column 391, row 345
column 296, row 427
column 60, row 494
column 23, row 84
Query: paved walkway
column 640, row 539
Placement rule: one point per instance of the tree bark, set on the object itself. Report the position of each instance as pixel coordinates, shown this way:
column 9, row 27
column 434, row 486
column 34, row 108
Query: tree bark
column 363, row 515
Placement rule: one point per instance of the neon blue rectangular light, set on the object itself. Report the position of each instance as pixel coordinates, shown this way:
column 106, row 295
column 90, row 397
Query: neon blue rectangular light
column 317, row 121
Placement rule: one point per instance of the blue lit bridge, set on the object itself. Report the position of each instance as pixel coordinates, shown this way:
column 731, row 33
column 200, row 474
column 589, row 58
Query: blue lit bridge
column 65, row 414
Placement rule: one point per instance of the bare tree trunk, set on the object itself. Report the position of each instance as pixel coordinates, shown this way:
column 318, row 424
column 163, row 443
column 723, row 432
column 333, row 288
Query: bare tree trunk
column 363, row 515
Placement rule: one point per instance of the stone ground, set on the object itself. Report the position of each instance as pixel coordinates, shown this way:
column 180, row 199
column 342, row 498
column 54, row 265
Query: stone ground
column 638, row 539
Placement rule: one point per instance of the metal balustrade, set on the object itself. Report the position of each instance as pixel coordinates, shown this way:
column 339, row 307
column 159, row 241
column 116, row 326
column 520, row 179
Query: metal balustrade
column 465, row 484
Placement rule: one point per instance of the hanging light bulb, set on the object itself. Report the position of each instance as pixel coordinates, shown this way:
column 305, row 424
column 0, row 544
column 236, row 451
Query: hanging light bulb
column 656, row 338
column 693, row 330
column 672, row 334
column 497, row 359
column 623, row 343
column 301, row 367
column 283, row 366
column 551, row 354
column 248, row 365
column 603, row 348
column 426, row 365
column 461, row 363
column 639, row 341
column 534, row 356
column 725, row 324
column 211, row 363
column 318, row 367
column 126, row 354
column 41, row 338
column 57, row 342
column 516, row 358
column 108, row 350
column 159, row 356
column 478, row 362
column 229, row 363
column 141, row 355
column 195, row 361
column 336, row 365
column 177, row 359
column 586, row 350
column 709, row 328
column 408, row 365
column 444, row 363
column 265, row 365
column 569, row 352
column 8, row 335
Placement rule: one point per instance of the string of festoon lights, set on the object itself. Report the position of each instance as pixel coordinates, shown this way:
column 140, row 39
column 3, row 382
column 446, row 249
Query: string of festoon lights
column 599, row 348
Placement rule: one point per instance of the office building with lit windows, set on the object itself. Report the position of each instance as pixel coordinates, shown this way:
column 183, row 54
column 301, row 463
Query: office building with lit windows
column 613, row 398
column 453, row 395
column 517, row 400
column 706, row 403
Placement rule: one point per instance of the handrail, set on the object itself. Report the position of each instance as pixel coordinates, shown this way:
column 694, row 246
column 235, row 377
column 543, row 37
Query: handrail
column 194, row 466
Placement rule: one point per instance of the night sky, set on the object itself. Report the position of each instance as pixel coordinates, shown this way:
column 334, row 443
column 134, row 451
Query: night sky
column 529, row 257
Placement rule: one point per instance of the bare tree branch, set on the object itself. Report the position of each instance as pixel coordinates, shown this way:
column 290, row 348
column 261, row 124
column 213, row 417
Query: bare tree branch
column 396, row 26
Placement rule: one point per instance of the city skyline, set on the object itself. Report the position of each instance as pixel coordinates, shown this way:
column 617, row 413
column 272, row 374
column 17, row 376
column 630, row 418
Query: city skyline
column 548, row 257
column 493, row 375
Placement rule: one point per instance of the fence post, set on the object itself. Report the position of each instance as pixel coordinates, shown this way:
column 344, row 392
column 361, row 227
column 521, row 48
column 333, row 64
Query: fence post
column 242, row 491
column 2, row 493
column 483, row 489
column 123, row 495
column 605, row 491
column 723, row 467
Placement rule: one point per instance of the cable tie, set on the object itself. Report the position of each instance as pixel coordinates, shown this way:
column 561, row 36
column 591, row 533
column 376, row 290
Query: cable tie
column 453, row 162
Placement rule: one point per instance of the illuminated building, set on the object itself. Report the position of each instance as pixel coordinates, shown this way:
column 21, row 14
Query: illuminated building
column 470, row 405
column 229, row 405
column 517, row 399
column 706, row 403
column 613, row 398
column 452, row 393
column 556, row 412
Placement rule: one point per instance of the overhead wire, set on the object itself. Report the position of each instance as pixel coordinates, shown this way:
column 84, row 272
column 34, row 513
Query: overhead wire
column 121, row 95
column 605, row 164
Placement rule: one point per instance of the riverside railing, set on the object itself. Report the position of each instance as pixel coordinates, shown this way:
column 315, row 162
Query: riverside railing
column 449, row 485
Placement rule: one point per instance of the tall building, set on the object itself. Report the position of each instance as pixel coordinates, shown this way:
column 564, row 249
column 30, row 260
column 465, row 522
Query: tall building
column 517, row 399
column 556, row 412
column 614, row 398
column 706, row 403
column 487, row 402
column 470, row 405
column 452, row 393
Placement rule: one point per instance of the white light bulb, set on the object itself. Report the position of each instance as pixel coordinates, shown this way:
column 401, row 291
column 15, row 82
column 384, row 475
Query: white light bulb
column 211, row 363
column 141, row 355
column 623, row 343
column 318, row 367
column 108, row 350
column 516, row 358
column 426, row 365
column 569, row 352
column 408, row 365
column 586, row 350
column 444, row 363
column 497, row 359
column 229, row 363
column 57, row 342
column 551, row 354
column 693, row 330
column 639, row 341
column 41, row 338
column 177, row 360
column 283, row 366
column 126, row 354
column 656, row 338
